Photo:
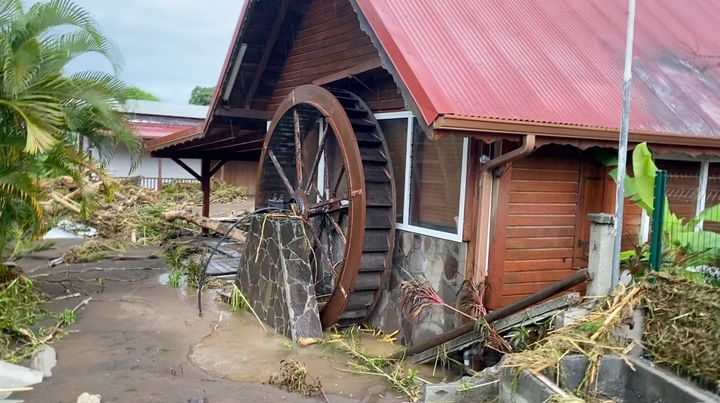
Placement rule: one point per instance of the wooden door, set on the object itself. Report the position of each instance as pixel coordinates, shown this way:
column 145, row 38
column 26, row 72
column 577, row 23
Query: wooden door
column 591, row 188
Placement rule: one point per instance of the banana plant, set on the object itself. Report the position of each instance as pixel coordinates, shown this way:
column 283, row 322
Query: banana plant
column 678, row 232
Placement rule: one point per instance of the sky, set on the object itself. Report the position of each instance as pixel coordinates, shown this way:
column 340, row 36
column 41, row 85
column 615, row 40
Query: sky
column 169, row 46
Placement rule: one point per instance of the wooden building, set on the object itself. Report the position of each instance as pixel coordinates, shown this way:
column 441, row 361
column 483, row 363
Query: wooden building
column 492, row 113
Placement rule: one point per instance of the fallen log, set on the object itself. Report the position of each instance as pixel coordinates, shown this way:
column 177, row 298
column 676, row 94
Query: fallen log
column 547, row 292
column 65, row 202
column 206, row 223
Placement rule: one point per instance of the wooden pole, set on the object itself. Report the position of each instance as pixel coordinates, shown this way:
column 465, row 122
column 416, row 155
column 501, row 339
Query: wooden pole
column 517, row 306
column 159, row 175
column 205, row 187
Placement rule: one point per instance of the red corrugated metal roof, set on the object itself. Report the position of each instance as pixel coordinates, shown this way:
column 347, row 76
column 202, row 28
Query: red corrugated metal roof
column 558, row 61
column 156, row 130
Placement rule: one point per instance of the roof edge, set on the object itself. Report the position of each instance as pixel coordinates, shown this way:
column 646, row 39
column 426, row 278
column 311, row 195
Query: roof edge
column 400, row 68
column 453, row 124
column 181, row 136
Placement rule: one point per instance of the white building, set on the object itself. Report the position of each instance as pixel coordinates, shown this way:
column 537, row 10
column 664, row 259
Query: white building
column 152, row 120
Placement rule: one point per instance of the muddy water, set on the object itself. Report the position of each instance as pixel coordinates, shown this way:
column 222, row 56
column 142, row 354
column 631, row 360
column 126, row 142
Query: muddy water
column 240, row 351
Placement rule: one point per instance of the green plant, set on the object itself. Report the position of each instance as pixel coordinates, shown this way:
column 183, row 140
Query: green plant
column 681, row 235
column 201, row 95
column 138, row 93
column 66, row 317
column 174, row 278
column 45, row 112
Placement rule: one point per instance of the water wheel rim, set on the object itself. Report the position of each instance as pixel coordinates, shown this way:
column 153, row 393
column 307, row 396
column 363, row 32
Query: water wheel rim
column 333, row 112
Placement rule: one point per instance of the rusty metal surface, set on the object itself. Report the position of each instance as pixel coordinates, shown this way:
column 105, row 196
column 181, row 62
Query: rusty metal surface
column 556, row 61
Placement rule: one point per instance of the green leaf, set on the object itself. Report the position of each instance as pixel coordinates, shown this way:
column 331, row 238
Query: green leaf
column 710, row 214
column 644, row 170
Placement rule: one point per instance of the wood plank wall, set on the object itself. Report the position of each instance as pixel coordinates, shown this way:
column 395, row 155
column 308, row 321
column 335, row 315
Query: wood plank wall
column 545, row 234
column 330, row 40
column 542, row 212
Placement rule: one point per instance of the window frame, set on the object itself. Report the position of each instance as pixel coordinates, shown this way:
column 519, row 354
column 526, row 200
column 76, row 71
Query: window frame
column 405, row 225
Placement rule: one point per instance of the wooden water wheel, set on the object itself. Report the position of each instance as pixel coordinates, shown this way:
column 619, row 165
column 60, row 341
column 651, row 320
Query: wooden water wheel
column 325, row 158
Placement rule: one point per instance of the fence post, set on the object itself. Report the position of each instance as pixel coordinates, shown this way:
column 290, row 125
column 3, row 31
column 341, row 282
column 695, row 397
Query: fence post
column 658, row 219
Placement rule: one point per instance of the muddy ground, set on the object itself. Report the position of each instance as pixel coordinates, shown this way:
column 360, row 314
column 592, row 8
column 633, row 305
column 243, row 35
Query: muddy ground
column 140, row 341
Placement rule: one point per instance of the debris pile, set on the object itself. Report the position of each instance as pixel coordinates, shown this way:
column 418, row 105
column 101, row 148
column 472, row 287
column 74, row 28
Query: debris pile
column 293, row 377
column 22, row 313
column 134, row 214
column 592, row 336
column 93, row 250
column 683, row 327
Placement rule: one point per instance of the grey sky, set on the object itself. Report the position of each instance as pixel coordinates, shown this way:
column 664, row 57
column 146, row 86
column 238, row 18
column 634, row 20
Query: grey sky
column 169, row 46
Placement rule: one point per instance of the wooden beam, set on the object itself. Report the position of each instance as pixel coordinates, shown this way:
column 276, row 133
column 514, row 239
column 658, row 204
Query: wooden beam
column 205, row 186
column 265, row 58
column 217, row 167
column 223, row 142
column 243, row 113
column 187, row 168
column 245, row 155
column 349, row 72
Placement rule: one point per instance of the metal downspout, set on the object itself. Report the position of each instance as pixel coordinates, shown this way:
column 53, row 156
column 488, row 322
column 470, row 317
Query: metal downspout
column 483, row 214
column 527, row 147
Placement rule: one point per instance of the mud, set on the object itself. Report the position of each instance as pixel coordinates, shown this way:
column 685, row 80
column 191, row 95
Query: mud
column 241, row 351
column 140, row 341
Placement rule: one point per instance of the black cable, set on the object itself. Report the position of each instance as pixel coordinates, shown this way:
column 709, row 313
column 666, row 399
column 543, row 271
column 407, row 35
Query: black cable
column 203, row 272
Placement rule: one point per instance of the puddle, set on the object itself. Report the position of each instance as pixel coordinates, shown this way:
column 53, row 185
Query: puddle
column 240, row 351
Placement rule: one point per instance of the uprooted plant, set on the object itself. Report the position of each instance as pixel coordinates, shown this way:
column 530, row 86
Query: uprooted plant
column 294, row 377
column 416, row 297
column 401, row 378
column 22, row 310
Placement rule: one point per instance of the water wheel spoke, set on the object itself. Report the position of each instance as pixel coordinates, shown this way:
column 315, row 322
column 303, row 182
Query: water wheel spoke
column 298, row 151
column 332, row 204
column 281, row 172
column 317, row 245
column 316, row 162
column 337, row 228
column 339, row 180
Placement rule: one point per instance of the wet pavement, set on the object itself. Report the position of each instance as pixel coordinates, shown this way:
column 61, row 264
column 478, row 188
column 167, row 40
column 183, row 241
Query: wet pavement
column 140, row 341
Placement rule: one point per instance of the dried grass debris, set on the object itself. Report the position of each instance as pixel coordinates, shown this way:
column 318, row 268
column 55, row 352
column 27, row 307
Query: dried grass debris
column 294, row 378
column 682, row 327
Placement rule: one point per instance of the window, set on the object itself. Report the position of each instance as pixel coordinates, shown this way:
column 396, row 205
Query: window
column 395, row 132
column 430, row 177
column 436, row 177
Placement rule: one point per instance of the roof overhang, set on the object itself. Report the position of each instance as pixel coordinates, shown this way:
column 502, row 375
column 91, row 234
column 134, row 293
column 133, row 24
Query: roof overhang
column 482, row 127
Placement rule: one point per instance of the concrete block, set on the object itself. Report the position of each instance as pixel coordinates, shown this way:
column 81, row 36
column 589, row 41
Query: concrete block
column 601, row 254
column 570, row 316
column 12, row 376
column 44, row 360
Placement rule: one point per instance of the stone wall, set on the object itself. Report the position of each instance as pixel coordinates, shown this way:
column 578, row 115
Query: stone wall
column 424, row 258
column 275, row 275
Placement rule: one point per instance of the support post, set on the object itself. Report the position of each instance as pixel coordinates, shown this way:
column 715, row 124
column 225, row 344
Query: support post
column 159, row 175
column 622, row 143
column 600, row 258
column 205, row 187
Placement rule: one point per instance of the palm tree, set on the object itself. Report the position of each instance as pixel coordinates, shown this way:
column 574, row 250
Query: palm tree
column 44, row 111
